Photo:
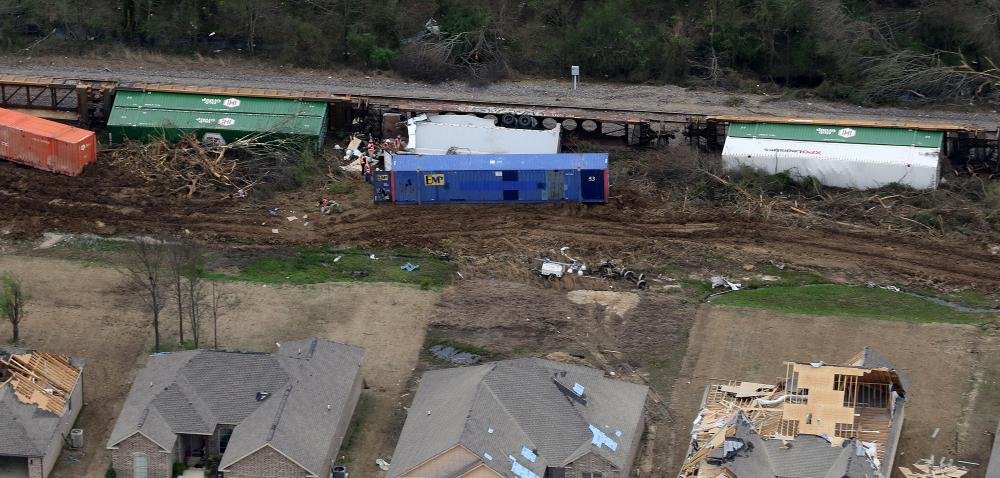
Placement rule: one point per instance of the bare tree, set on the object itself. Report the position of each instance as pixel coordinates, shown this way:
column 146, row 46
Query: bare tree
column 192, row 271
column 220, row 300
column 177, row 258
column 12, row 299
column 145, row 275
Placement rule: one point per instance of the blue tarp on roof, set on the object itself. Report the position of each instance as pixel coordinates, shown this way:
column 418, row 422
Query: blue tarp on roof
column 499, row 162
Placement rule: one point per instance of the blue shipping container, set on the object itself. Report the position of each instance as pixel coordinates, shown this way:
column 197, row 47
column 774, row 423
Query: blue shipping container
column 492, row 178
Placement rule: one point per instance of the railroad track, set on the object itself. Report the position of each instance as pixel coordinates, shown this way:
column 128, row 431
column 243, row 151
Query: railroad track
column 89, row 101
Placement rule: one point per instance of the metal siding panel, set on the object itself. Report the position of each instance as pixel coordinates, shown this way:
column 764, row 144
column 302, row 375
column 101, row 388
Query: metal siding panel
column 141, row 124
column 493, row 162
column 214, row 103
column 837, row 134
column 840, row 165
column 44, row 144
column 438, row 138
column 409, row 187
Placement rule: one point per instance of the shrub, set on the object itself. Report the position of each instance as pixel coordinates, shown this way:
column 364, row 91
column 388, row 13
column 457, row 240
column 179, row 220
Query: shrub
column 179, row 469
column 111, row 473
column 381, row 57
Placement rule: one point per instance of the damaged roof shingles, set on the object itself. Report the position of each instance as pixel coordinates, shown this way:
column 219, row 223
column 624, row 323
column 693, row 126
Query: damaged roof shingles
column 25, row 429
column 521, row 403
column 192, row 392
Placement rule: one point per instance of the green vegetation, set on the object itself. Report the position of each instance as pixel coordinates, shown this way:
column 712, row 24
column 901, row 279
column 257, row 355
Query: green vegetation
column 179, row 469
column 847, row 301
column 313, row 266
column 88, row 243
column 892, row 51
column 967, row 297
column 362, row 412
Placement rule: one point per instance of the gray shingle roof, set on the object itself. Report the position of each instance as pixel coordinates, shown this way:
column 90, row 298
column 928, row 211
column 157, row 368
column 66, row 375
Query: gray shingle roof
column 807, row 456
column 871, row 358
column 192, row 392
column 500, row 408
column 25, row 429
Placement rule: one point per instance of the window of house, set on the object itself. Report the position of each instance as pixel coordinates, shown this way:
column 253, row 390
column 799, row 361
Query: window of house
column 592, row 474
column 140, row 465
column 224, row 435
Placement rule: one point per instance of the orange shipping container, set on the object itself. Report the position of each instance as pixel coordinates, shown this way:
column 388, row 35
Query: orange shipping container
column 45, row 144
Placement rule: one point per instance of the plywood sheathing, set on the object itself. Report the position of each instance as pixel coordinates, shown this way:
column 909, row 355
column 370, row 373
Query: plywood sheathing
column 818, row 414
column 825, row 406
column 41, row 379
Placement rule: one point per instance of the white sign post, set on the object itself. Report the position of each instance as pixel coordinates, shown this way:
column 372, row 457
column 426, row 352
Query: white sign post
column 575, row 71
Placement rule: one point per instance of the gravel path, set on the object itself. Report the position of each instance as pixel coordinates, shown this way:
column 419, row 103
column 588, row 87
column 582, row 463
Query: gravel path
column 542, row 92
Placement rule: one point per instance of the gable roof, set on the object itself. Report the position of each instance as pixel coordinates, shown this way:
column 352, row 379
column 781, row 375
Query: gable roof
column 27, row 429
column 499, row 409
column 305, row 387
column 807, row 456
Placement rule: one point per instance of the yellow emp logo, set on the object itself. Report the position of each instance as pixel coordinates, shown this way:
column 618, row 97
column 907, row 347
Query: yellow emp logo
column 433, row 180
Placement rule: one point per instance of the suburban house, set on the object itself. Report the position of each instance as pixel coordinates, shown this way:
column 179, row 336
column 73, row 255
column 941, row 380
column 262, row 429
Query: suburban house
column 821, row 421
column 40, row 396
column 250, row 415
column 524, row 418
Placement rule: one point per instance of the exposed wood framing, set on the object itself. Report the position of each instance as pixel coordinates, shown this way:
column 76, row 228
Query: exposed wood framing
column 41, row 379
column 835, row 401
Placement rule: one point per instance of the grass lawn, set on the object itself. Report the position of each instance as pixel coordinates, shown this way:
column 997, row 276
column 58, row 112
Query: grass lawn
column 848, row 301
column 312, row 266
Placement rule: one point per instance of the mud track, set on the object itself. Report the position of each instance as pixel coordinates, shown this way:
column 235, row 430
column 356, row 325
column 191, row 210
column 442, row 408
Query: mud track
column 105, row 201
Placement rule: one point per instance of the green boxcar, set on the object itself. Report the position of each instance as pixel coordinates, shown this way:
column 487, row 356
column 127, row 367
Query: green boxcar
column 146, row 123
column 237, row 104
column 837, row 134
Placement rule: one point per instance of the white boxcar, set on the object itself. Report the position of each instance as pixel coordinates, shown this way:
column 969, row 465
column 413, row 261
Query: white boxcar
column 860, row 158
column 467, row 134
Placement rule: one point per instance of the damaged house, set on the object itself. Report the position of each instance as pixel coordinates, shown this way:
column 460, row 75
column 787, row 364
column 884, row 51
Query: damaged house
column 821, row 421
column 524, row 418
column 41, row 395
column 251, row 415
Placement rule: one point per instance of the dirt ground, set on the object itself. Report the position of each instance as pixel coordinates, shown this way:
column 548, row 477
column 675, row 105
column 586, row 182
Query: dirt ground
column 952, row 369
column 79, row 309
column 229, row 72
column 107, row 201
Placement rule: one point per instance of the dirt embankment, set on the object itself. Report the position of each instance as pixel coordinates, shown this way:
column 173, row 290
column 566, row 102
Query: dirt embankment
column 106, row 201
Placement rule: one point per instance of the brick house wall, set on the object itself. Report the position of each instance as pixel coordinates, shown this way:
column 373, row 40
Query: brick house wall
column 265, row 463
column 345, row 420
column 160, row 462
column 591, row 463
column 35, row 468
column 66, row 422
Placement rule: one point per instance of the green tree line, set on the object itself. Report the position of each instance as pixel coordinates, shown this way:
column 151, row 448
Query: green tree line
column 863, row 50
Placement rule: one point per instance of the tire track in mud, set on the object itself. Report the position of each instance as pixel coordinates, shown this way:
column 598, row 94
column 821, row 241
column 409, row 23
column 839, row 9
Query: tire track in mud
column 67, row 204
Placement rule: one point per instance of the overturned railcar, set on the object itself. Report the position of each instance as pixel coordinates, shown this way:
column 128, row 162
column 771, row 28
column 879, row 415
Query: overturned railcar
column 493, row 178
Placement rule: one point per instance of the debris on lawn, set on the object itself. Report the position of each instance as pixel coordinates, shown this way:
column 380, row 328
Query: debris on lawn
column 409, row 267
column 382, row 464
column 872, row 285
column 455, row 356
column 549, row 268
column 927, row 468
column 719, row 281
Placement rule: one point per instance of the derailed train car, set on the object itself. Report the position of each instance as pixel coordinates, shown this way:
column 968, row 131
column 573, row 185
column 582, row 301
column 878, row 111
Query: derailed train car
column 492, row 178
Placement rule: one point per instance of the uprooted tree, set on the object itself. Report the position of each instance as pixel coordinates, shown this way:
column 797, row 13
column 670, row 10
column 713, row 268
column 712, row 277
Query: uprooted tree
column 190, row 167
column 12, row 299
